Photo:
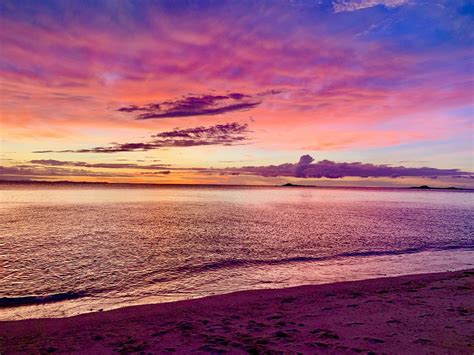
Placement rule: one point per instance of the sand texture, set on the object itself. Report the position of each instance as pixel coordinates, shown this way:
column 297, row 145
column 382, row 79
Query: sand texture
column 430, row 313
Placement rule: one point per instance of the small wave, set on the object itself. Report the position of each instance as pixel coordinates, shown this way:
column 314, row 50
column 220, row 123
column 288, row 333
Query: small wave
column 28, row 300
column 405, row 251
column 236, row 263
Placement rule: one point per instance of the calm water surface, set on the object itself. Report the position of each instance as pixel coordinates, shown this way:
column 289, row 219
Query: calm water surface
column 99, row 247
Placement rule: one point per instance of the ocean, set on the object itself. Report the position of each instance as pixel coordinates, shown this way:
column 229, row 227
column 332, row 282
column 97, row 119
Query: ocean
column 68, row 249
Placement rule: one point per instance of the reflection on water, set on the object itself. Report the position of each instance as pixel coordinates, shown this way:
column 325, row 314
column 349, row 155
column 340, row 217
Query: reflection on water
column 105, row 247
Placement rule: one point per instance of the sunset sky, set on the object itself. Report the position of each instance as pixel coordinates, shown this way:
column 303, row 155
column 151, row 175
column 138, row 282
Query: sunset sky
column 377, row 92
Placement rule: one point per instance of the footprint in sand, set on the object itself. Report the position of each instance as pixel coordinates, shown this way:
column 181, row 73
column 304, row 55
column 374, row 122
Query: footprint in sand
column 374, row 340
column 325, row 333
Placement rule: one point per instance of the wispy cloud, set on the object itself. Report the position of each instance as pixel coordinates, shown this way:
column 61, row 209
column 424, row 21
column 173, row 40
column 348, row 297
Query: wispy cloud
column 221, row 134
column 53, row 162
column 354, row 5
column 154, row 173
column 19, row 171
column 194, row 105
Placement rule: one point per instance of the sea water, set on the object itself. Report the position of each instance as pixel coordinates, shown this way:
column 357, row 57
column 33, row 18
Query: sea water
column 68, row 249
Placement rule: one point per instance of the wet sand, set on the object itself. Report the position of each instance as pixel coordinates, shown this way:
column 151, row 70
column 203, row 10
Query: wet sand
column 429, row 313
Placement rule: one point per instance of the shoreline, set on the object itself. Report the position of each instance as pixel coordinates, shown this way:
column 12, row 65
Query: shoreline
column 414, row 313
column 68, row 304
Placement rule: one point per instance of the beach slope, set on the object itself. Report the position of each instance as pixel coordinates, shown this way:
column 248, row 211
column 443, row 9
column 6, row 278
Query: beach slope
column 409, row 314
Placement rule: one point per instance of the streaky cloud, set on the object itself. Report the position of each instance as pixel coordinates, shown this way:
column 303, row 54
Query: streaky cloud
column 197, row 105
column 153, row 173
column 35, row 171
column 53, row 162
column 221, row 134
column 354, row 5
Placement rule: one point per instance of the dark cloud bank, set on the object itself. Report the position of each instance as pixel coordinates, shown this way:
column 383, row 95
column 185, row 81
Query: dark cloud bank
column 306, row 168
column 222, row 134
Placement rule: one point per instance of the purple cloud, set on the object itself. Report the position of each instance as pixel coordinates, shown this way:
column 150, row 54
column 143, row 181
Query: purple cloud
column 305, row 168
column 35, row 171
column 195, row 105
column 52, row 162
column 164, row 172
column 305, row 160
column 221, row 134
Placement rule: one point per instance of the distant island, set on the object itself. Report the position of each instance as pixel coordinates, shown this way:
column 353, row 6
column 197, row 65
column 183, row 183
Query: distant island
column 426, row 187
column 289, row 184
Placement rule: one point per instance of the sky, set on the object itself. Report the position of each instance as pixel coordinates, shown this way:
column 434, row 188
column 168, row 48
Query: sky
column 320, row 92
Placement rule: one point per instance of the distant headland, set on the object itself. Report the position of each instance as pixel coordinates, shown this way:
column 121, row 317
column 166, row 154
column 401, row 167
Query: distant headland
column 426, row 187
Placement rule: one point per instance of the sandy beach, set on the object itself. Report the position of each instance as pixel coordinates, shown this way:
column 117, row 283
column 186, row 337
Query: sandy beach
column 429, row 313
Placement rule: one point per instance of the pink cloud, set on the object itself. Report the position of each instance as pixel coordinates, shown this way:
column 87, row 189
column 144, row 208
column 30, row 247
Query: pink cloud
column 61, row 80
